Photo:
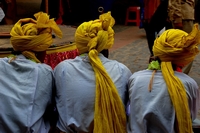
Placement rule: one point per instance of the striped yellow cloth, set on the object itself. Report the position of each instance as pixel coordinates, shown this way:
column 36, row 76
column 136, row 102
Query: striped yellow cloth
column 180, row 48
column 93, row 37
column 29, row 35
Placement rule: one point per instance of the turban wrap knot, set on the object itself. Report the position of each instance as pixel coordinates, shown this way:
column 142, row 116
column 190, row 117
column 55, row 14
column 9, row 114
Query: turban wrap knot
column 29, row 35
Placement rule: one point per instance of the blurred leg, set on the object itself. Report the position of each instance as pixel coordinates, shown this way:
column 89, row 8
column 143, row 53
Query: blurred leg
column 156, row 24
column 187, row 27
column 187, row 69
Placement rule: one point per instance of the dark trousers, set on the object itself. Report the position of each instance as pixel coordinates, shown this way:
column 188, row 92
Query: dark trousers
column 156, row 24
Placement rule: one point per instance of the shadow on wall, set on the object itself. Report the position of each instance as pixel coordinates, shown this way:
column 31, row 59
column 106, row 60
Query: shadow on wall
column 79, row 11
column 197, row 11
column 27, row 8
column 119, row 8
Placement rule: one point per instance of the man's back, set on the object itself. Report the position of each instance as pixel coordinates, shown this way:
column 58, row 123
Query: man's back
column 26, row 89
column 75, row 82
column 153, row 111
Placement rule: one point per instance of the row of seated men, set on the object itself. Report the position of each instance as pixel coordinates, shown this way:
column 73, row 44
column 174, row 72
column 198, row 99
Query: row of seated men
column 93, row 93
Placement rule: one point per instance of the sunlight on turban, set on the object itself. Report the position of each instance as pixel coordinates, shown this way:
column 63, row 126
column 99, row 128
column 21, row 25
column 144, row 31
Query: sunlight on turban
column 180, row 48
column 34, row 35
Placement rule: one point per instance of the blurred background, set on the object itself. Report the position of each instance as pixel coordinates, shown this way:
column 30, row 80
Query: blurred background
column 69, row 12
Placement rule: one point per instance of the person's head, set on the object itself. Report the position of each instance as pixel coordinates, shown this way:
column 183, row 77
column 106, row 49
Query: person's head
column 92, row 37
column 32, row 37
column 97, row 34
column 177, row 47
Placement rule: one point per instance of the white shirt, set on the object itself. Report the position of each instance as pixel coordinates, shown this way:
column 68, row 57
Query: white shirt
column 25, row 92
column 75, row 83
column 153, row 112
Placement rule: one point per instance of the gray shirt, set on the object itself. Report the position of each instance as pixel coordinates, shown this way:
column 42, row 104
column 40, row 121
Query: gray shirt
column 25, row 92
column 153, row 111
column 75, row 95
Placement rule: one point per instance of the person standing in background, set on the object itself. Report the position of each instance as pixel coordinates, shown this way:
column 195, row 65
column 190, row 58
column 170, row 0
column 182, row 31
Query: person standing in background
column 10, row 9
column 153, row 19
column 181, row 14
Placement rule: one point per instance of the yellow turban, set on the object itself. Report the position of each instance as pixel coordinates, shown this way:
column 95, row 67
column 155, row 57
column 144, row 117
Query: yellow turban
column 93, row 37
column 29, row 35
column 97, row 34
column 177, row 46
column 180, row 48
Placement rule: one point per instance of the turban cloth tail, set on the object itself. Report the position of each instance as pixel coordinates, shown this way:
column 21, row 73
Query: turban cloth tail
column 179, row 48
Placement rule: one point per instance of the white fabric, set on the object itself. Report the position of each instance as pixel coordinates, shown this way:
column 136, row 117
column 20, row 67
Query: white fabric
column 153, row 112
column 75, row 83
column 25, row 92
column 2, row 15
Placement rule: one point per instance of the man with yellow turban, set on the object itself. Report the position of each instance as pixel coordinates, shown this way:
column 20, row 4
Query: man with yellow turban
column 162, row 98
column 91, row 90
column 26, row 83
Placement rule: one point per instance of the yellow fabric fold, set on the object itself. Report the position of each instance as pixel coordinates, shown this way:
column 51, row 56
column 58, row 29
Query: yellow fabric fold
column 93, row 37
column 109, row 115
column 177, row 47
column 88, row 32
column 29, row 35
column 179, row 99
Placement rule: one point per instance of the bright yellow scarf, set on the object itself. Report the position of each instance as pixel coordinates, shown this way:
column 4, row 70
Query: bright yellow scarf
column 29, row 35
column 177, row 47
column 93, row 37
